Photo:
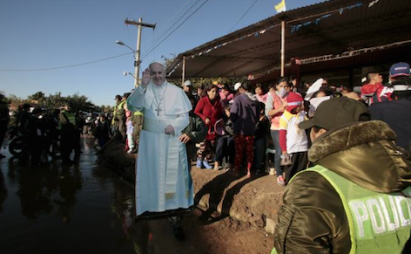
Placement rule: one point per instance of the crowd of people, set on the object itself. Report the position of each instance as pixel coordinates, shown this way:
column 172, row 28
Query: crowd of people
column 355, row 197
column 243, row 121
column 39, row 130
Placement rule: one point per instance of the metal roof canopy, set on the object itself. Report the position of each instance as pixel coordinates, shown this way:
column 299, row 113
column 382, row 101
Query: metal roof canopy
column 334, row 28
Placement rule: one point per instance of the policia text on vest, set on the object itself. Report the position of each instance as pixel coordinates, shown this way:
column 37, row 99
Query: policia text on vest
column 384, row 213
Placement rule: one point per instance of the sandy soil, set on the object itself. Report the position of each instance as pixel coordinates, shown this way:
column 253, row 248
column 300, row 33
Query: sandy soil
column 205, row 235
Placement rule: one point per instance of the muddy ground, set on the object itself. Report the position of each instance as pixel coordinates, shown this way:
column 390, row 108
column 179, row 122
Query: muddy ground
column 237, row 213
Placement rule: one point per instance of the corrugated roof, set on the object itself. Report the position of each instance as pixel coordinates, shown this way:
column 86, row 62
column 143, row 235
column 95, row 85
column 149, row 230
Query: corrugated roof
column 331, row 27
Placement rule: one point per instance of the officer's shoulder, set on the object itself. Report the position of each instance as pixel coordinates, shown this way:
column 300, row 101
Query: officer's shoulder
column 308, row 182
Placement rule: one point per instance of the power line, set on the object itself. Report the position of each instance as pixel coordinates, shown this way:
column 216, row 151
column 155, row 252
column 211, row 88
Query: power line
column 175, row 29
column 66, row 66
column 182, row 16
column 170, row 19
column 128, row 32
column 245, row 13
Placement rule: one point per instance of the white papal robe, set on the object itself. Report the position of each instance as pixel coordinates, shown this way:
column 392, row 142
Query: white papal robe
column 162, row 180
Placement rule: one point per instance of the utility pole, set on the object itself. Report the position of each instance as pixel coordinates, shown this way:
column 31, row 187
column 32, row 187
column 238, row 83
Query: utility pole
column 137, row 62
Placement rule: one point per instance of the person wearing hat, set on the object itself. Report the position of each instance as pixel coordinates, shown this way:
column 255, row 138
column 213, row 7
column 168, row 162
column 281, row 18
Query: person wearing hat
column 397, row 113
column 121, row 116
column 398, row 71
column 244, row 114
column 293, row 141
column 114, row 120
column 187, row 87
column 237, row 86
column 357, row 197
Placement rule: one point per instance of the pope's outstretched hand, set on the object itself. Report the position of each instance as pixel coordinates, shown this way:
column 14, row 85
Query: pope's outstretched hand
column 145, row 78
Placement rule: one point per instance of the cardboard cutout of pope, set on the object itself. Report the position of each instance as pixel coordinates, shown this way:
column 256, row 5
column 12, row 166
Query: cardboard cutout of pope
column 163, row 188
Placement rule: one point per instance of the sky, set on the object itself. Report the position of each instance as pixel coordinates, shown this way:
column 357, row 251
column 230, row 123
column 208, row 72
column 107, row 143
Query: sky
column 38, row 39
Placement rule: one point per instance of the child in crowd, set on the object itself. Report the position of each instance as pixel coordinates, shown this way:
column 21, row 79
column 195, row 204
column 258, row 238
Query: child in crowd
column 293, row 141
column 195, row 132
column 129, row 131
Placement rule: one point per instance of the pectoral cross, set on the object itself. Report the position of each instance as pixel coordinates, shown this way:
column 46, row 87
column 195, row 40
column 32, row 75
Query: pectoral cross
column 158, row 111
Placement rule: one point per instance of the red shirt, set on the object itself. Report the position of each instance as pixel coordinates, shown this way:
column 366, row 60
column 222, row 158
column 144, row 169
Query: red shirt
column 368, row 90
column 213, row 111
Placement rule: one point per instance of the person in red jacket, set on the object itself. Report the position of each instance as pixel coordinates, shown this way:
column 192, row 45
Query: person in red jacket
column 210, row 109
column 374, row 82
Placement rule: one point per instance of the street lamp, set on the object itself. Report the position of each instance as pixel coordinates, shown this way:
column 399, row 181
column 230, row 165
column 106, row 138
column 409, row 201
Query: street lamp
column 131, row 74
column 136, row 63
column 123, row 44
column 128, row 73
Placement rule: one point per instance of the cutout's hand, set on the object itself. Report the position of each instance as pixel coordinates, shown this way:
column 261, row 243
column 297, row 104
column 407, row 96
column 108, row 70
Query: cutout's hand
column 169, row 130
column 145, row 79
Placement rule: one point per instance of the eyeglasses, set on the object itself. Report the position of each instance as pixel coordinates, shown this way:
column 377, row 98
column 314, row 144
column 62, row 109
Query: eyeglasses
column 154, row 73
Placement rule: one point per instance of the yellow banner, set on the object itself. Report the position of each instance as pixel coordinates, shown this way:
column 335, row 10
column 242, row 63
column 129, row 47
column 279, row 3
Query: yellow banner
column 280, row 7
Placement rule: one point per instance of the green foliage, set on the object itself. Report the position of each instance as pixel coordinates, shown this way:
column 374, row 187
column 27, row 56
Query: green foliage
column 77, row 102
column 197, row 82
column 15, row 101
column 37, row 96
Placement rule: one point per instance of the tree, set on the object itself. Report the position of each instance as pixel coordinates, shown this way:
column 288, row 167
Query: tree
column 15, row 101
column 197, row 82
column 37, row 96
column 79, row 102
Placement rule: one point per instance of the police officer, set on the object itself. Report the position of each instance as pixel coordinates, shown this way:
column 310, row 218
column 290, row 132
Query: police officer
column 67, row 132
column 357, row 197
column 121, row 116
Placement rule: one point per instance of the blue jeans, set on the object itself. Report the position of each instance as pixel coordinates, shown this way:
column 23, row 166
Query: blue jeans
column 225, row 148
column 275, row 135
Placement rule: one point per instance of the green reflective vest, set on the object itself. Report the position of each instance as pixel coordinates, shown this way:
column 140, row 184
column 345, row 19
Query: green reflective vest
column 138, row 113
column 378, row 222
column 120, row 112
column 120, row 105
column 114, row 115
column 70, row 116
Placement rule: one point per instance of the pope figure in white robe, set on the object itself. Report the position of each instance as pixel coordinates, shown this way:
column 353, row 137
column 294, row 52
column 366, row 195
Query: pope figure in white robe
column 162, row 179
